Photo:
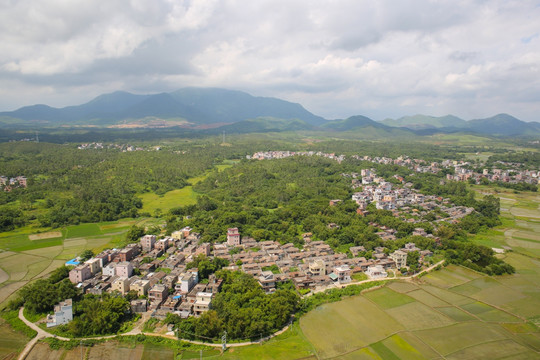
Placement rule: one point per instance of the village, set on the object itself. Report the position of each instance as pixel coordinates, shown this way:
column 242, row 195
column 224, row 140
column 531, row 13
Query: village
column 8, row 184
column 155, row 270
column 512, row 172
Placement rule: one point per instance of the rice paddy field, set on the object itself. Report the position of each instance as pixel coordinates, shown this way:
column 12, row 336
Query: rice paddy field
column 27, row 254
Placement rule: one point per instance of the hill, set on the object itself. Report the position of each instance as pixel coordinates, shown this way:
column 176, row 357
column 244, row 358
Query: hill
column 420, row 121
column 196, row 105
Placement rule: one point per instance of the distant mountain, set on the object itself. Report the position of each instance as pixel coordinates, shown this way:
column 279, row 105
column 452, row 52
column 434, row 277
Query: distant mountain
column 194, row 105
column 365, row 128
column 503, row 125
column 265, row 125
column 425, row 122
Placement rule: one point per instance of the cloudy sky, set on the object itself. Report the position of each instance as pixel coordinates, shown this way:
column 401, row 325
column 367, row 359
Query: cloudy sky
column 338, row 58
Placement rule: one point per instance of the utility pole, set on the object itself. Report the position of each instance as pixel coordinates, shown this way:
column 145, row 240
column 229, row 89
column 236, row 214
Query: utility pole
column 223, row 136
column 224, row 341
column 37, row 137
column 81, row 350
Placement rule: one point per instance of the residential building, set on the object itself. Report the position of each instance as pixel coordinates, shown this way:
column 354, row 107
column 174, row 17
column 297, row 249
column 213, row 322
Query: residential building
column 124, row 269
column 202, row 303
column 63, row 313
column 147, row 242
column 80, row 273
column 158, row 293
column 267, row 281
column 376, row 272
column 233, row 237
column 110, row 269
column 343, row 273
column 400, row 258
column 140, row 287
column 94, row 264
column 317, row 267
column 121, row 285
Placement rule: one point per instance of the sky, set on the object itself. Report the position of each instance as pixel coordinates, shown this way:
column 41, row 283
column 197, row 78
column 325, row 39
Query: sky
column 338, row 58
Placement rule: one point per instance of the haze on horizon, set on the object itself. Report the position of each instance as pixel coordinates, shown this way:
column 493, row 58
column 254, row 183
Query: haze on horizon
column 381, row 59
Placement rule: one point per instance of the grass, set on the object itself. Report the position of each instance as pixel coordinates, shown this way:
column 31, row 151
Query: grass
column 12, row 341
column 171, row 199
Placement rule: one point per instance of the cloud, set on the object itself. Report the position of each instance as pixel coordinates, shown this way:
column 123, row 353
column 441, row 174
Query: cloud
column 338, row 58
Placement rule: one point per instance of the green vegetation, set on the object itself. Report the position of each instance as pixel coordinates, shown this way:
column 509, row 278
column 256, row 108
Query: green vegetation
column 242, row 309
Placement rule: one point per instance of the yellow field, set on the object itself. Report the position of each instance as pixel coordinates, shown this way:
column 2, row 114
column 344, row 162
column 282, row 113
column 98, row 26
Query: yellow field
column 47, row 235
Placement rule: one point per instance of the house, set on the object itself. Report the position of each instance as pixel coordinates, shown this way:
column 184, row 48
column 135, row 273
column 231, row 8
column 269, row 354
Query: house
column 140, row 286
column 139, row 305
column 185, row 309
column 343, row 273
column 187, row 282
column 63, row 313
column 80, row 273
column 233, row 237
column 147, row 242
column 124, row 269
column 94, row 264
column 376, row 272
column 162, row 244
column 202, row 303
column 317, row 267
column 400, row 258
column 121, row 285
column 158, row 294
column 267, row 281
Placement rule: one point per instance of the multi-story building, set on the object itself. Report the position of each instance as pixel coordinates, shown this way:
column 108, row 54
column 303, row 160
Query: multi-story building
column 400, row 258
column 63, row 313
column 121, row 285
column 233, row 237
column 124, row 269
column 80, row 273
column 158, row 293
column 147, row 242
column 202, row 303
column 140, row 287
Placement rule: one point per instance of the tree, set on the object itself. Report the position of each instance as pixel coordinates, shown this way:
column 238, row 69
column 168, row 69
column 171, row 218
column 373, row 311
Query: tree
column 134, row 233
column 86, row 254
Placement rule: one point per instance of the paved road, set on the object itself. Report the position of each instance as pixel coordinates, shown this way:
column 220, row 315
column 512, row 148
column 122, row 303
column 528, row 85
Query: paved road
column 41, row 334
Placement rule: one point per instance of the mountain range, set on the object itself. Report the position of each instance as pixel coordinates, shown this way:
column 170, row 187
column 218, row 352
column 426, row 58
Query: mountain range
column 240, row 112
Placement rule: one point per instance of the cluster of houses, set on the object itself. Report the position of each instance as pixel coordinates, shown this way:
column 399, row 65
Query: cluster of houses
column 401, row 201
column 121, row 147
column 268, row 155
column 155, row 269
column 462, row 171
column 507, row 176
column 8, row 184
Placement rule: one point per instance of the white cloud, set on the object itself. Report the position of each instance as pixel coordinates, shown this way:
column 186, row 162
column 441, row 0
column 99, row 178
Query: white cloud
column 337, row 58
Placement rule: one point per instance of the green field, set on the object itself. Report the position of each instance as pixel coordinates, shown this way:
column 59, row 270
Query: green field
column 23, row 260
column 178, row 197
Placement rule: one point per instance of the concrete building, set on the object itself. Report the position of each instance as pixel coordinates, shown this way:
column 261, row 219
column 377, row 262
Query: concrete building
column 400, row 258
column 158, row 293
column 267, row 281
column 63, row 313
column 124, row 269
column 233, row 237
column 202, row 303
column 110, row 269
column 376, row 272
column 140, row 287
column 343, row 273
column 147, row 242
column 80, row 273
column 94, row 264
column 121, row 285
column 317, row 267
